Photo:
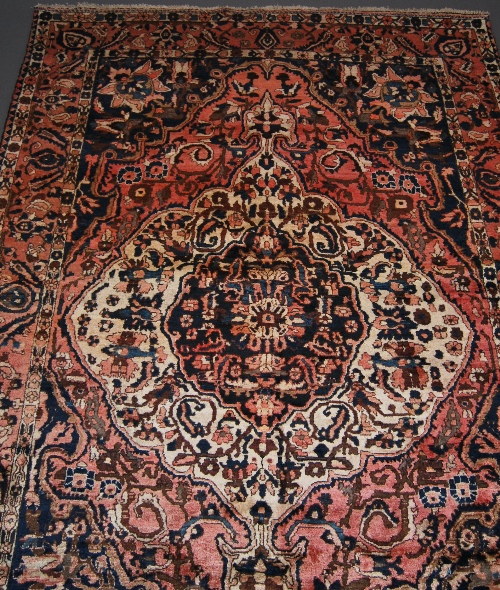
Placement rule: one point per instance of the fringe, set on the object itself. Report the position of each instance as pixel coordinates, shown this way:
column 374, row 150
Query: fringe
column 131, row 7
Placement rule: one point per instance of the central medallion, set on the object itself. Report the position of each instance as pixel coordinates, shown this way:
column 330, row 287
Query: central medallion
column 260, row 328
column 265, row 326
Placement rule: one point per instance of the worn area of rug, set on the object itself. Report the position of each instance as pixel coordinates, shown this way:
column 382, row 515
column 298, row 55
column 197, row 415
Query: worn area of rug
column 249, row 302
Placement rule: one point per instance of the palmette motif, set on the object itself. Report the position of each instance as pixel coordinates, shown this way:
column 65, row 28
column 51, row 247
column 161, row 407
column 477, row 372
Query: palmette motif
column 249, row 302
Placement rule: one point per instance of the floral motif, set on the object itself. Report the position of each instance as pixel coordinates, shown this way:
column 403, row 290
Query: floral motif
column 109, row 488
column 433, row 496
column 254, row 339
column 134, row 89
column 409, row 183
column 463, row 489
column 383, row 179
column 130, row 175
column 79, row 478
column 400, row 96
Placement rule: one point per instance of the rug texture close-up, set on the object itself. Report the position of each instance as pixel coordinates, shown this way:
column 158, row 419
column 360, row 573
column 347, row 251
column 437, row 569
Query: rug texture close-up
column 249, row 308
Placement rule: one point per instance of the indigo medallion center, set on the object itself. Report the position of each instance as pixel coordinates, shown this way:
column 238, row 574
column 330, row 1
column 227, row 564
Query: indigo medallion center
column 265, row 326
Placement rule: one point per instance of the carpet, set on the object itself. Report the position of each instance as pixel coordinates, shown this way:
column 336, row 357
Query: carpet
column 249, row 301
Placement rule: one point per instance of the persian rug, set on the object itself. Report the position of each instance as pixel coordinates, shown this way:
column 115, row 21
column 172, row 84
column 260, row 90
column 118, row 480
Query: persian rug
column 249, row 302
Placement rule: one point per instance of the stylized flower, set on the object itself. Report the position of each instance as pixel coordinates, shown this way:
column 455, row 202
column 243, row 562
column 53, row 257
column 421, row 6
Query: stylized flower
column 463, row 489
column 110, row 488
column 383, row 179
column 425, row 335
column 302, row 439
column 295, row 374
column 156, row 169
column 235, row 370
column 400, row 97
column 129, row 175
column 457, row 334
column 90, row 306
column 432, row 496
column 336, row 338
column 261, row 512
column 223, row 436
column 134, row 89
column 268, row 318
column 454, row 348
column 440, row 332
column 351, row 326
column 105, row 325
column 409, row 183
column 80, row 478
column 84, row 320
column 235, row 220
column 186, row 321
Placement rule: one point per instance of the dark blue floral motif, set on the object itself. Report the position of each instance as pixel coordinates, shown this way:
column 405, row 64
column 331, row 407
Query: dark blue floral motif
column 463, row 489
column 156, row 170
column 79, row 479
column 110, row 488
column 129, row 175
column 432, row 496
column 409, row 184
column 382, row 179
